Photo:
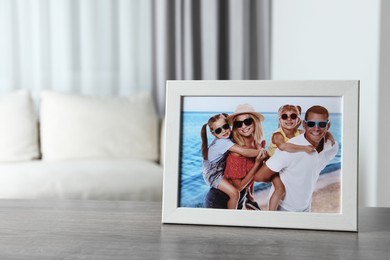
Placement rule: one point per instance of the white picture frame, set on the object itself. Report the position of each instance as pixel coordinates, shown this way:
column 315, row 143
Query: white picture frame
column 178, row 92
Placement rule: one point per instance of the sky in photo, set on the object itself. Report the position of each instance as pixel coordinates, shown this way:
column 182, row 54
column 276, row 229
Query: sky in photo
column 260, row 104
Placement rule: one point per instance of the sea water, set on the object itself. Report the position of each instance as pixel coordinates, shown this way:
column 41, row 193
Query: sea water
column 193, row 189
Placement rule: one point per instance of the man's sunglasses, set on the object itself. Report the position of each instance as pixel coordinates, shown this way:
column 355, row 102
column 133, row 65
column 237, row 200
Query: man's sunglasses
column 247, row 122
column 293, row 116
column 321, row 124
column 219, row 129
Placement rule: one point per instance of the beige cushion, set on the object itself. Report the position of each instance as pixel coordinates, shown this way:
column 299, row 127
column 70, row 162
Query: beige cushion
column 18, row 128
column 78, row 127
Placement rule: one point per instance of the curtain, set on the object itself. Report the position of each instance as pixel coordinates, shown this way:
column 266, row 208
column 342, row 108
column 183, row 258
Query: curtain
column 210, row 39
column 97, row 47
column 123, row 47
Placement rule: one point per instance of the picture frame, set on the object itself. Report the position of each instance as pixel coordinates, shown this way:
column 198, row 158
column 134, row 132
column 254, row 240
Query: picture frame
column 206, row 97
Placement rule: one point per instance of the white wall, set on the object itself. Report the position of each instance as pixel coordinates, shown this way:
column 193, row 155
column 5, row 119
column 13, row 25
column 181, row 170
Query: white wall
column 384, row 108
column 333, row 39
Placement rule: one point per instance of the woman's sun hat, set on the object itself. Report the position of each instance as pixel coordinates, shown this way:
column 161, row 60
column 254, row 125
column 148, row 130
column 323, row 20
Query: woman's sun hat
column 245, row 109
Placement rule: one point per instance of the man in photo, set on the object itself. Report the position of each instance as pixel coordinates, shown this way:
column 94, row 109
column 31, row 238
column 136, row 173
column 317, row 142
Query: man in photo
column 300, row 171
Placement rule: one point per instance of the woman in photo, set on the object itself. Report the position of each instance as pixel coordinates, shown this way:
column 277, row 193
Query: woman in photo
column 247, row 133
column 214, row 157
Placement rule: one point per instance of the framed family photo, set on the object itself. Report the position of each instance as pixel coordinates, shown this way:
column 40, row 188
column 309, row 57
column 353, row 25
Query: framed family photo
column 254, row 153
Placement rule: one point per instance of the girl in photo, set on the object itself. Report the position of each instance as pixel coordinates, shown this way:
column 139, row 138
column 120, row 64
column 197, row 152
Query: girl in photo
column 289, row 122
column 214, row 157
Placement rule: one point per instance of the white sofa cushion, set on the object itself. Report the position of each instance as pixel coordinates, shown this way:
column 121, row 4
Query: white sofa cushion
column 114, row 179
column 79, row 127
column 18, row 128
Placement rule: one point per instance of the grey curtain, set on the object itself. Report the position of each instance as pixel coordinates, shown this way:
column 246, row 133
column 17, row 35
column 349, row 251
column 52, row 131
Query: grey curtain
column 209, row 39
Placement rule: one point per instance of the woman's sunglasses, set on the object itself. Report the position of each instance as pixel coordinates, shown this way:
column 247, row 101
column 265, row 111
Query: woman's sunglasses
column 247, row 122
column 321, row 124
column 219, row 129
column 293, row 116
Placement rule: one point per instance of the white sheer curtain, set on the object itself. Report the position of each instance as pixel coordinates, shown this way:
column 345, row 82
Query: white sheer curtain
column 99, row 47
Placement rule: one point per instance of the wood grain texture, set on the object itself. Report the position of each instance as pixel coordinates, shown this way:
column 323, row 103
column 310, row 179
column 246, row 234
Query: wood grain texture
column 58, row 229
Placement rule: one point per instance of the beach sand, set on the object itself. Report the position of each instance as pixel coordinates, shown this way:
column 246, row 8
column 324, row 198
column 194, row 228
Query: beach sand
column 326, row 196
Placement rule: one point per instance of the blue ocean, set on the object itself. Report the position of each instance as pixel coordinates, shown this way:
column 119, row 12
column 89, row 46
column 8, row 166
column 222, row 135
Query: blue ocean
column 192, row 186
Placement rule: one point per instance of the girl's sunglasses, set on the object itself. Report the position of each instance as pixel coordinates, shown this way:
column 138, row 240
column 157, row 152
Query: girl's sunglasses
column 219, row 129
column 321, row 124
column 293, row 116
column 247, row 122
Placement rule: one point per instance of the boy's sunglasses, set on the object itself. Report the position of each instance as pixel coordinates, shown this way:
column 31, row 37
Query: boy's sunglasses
column 321, row 124
column 292, row 116
column 219, row 129
column 247, row 122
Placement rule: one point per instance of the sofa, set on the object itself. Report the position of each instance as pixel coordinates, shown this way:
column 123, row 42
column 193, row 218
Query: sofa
column 67, row 146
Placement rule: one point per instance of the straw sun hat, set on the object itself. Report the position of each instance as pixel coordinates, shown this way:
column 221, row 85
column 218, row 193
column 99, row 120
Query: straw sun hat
column 245, row 109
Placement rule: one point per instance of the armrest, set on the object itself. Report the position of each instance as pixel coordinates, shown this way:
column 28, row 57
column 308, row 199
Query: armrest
column 162, row 141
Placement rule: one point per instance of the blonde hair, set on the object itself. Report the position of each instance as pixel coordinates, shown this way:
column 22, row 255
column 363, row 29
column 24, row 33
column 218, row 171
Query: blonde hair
column 203, row 133
column 288, row 107
column 258, row 133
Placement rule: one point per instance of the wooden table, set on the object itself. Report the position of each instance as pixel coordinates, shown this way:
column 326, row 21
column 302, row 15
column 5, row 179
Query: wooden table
column 55, row 229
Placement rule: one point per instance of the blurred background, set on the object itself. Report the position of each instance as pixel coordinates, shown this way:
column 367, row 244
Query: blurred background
column 125, row 47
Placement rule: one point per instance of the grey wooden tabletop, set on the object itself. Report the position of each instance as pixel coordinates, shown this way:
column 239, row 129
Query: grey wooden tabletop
column 66, row 229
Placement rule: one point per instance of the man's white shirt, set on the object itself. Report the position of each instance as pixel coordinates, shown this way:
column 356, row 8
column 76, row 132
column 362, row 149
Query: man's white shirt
column 299, row 172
